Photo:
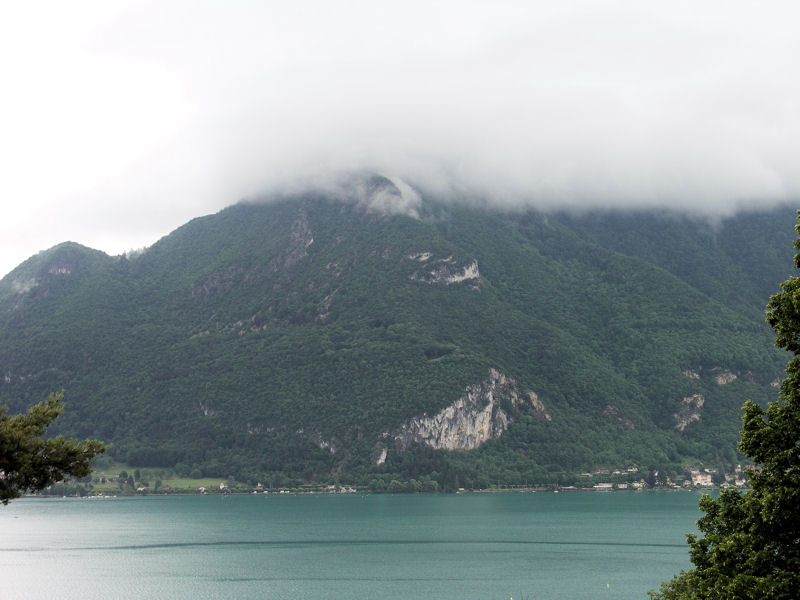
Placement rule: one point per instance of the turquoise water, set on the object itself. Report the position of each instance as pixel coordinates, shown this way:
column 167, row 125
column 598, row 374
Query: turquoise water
column 526, row 546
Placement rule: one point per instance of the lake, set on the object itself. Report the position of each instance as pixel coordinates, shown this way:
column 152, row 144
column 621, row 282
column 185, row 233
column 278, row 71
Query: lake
column 450, row 546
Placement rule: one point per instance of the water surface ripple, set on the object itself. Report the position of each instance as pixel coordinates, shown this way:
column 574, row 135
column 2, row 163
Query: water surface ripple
column 543, row 545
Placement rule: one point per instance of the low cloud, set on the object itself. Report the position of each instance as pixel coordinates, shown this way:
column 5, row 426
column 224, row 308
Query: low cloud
column 373, row 191
column 125, row 122
column 618, row 104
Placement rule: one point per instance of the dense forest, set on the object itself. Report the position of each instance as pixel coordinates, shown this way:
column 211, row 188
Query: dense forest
column 289, row 339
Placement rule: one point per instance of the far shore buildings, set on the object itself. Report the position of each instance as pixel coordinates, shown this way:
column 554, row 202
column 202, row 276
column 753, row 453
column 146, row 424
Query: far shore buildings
column 701, row 479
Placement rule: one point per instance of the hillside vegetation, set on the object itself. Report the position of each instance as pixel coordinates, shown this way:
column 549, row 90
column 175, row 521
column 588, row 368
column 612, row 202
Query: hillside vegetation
column 292, row 339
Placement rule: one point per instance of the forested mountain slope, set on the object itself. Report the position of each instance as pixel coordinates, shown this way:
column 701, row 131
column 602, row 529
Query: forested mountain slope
column 308, row 336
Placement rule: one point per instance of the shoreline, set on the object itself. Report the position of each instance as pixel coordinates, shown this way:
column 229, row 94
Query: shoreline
column 369, row 493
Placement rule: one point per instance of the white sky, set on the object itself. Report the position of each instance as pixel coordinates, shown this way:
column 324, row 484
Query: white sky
column 119, row 121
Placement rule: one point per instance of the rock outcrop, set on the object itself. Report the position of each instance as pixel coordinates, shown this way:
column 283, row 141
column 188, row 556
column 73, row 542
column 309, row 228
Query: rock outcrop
column 472, row 419
column 720, row 375
column 299, row 241
column 689, row 411
column 444, row 271
column 724, row 377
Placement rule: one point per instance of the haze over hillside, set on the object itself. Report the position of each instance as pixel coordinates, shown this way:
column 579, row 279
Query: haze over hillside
column 371, row 331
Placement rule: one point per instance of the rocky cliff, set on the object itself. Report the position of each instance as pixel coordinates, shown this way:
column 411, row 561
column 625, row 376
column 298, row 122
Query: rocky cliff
column 473, row 418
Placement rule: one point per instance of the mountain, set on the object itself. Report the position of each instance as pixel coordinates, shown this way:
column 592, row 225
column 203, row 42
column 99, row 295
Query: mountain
column 371, row 334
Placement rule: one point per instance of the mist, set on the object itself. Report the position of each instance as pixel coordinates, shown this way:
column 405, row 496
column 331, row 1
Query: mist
column 126, row 122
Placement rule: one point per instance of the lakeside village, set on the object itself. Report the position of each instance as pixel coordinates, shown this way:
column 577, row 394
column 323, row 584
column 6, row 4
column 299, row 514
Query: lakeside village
column 164, row 482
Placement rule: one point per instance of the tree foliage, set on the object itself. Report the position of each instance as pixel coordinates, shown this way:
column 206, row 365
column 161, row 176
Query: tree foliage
column 30, row 463
column 750, row 547
column 245, row 342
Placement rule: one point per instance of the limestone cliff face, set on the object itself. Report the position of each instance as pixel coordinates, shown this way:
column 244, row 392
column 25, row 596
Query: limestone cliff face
column 444, row 271
column 724, row 377
column 473, row 418
column 689, row 411
column 721, row 375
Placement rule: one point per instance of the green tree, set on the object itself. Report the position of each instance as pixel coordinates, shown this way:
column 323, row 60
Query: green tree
column 750, row 544
column 29, row 463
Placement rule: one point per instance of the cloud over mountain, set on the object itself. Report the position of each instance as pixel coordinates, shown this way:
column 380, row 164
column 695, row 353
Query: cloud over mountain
column 125, row 121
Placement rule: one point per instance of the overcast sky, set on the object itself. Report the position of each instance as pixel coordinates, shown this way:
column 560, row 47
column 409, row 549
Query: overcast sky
column 119, row 121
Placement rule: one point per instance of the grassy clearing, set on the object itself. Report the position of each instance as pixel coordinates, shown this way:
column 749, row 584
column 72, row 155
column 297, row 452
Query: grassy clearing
column 108, row 479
